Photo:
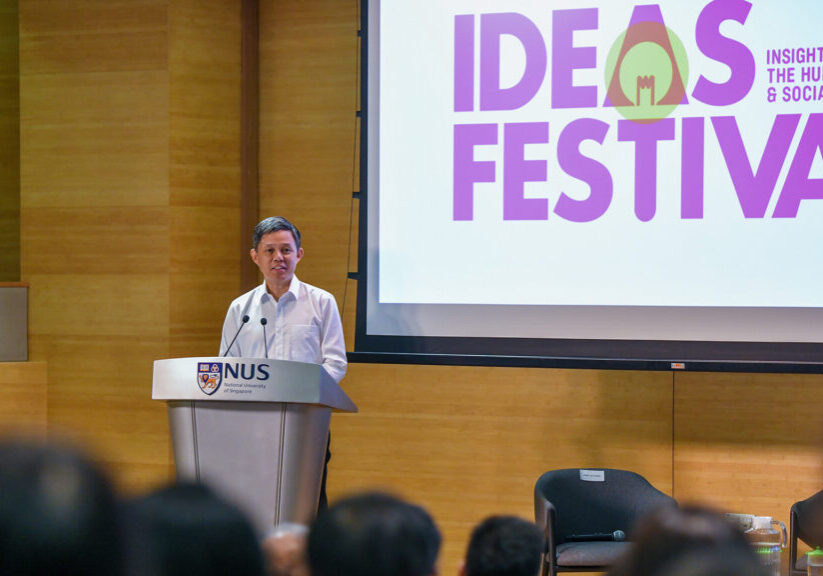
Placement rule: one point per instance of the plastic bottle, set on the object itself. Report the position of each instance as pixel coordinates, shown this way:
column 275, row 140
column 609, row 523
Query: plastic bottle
column 768, row 542
column 814, row 562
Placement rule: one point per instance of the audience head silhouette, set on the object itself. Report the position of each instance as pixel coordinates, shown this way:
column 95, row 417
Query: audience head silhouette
column 504, row 546
column 188, row 529
column 59, row 516
column 58, row 513
column 373, row 534
column 688, row 541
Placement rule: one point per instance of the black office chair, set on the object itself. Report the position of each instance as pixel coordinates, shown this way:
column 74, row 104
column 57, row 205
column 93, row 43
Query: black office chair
column 588, row 514
column 806, row 524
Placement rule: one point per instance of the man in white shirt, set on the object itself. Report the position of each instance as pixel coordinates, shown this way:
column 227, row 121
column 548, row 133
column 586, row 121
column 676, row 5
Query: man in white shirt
column 287, row 319
column 299, row 321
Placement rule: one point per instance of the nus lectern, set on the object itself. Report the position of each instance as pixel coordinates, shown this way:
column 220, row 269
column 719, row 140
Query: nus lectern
column 253, row 429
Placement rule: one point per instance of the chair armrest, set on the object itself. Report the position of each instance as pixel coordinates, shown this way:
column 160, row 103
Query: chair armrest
column 792, row 539
column 545, row 516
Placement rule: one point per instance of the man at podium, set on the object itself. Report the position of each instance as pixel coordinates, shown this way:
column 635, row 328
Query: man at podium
column 288, row 319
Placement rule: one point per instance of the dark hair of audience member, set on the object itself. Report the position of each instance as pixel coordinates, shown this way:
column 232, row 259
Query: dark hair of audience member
column 373, row 534
column 688, row 541
column 58, row 513
column 504, row 546
column 188, row 529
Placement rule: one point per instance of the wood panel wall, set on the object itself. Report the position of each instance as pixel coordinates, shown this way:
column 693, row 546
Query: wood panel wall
column 308, row 101
column 95, row 220
column 23, row 403
column 130, row 186
column 130, row 213
column 205, row 176
column 748, row 443
column 9, row 144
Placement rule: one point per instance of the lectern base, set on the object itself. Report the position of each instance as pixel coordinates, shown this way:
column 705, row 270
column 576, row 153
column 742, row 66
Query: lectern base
column 267, row 458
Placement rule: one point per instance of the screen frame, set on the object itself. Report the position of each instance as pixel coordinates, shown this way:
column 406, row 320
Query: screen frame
column 609, row 354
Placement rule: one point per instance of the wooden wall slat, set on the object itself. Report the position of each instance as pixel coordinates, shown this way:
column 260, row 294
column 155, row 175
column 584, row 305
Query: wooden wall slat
column 64, row 240
column 94, row 212
column 308, row 99
column 93, row 36
column 94, row 139
column 23, row 401
column 9, row 144
column 749, row 443
column 205, row 176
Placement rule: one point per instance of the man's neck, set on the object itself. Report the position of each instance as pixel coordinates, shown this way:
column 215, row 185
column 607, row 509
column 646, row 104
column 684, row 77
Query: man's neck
column 277, row 291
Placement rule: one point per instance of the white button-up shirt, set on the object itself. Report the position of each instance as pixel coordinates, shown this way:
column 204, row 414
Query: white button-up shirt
column 304, row 325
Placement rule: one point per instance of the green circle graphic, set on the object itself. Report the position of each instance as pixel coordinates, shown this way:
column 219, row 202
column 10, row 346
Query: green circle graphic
column 647, row 70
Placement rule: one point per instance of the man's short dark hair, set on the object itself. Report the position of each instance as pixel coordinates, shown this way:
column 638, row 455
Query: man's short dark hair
column 504, row 546
column 373, row 534
column 274, row 224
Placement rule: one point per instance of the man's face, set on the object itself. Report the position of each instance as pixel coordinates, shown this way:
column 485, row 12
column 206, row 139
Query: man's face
column 277, row 256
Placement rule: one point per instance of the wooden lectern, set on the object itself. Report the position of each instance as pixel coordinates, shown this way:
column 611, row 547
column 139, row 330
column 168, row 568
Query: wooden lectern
column 253, row 429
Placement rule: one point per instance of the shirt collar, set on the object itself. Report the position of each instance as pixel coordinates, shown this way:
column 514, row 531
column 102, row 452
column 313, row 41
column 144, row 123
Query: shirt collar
column 294, row 290
column 294, row 287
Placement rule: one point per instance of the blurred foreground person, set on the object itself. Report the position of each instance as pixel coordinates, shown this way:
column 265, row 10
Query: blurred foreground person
column 188, row 529
column 504, row 546
column 285, row 550
column 373, row 534
column 688, row 541
column 58, row 513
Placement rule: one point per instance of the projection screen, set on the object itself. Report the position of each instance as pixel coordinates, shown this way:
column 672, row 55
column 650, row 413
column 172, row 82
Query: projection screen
column 599, row 183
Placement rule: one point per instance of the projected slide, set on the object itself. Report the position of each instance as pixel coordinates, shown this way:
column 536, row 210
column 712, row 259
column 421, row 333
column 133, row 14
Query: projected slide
column 597, row 170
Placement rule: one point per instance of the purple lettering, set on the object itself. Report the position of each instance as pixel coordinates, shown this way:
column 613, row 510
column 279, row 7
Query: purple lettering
column 691, row 172
column 645, row 136
column 466, row 170
column 755, row 190
column 566, row 58
column 585, row 169
column 722, row 49
column 464, row 63
column 798, row 185
column 492, row 27
column 517, row 171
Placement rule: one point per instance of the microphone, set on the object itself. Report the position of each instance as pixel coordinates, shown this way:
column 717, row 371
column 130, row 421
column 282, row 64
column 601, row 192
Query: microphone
column 236, row 334
column 263, row 323
column 616, row 536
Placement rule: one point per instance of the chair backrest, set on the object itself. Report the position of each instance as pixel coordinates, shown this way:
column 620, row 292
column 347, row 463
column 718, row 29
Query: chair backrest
column 598, row 501
column 809, row 519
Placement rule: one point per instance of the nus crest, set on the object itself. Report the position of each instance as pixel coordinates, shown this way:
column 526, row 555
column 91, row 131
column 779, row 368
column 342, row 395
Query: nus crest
column 209, row 376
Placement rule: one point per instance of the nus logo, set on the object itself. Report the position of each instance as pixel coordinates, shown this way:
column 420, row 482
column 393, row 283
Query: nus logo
column 209, row 376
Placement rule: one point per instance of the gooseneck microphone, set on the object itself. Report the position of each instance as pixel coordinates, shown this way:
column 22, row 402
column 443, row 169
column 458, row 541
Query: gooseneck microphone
column 236, row 334
column 616, row 536
column 263, row 323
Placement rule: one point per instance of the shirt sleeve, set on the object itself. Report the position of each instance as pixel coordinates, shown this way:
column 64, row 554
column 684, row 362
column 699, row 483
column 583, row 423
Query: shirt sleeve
column 332, row 345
